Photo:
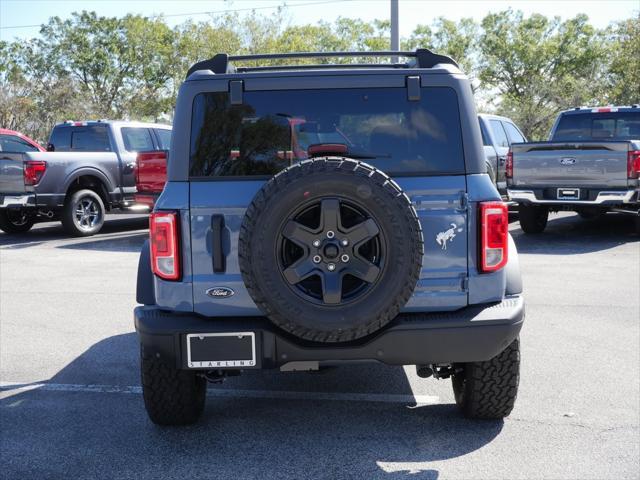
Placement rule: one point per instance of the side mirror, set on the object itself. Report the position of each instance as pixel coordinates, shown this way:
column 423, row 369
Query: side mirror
column 51, row 147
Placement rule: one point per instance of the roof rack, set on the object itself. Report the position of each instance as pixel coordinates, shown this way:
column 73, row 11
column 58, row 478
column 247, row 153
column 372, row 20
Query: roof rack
column 220, row 63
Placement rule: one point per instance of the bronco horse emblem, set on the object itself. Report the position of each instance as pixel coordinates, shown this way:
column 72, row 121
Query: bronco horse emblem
column 447, row 236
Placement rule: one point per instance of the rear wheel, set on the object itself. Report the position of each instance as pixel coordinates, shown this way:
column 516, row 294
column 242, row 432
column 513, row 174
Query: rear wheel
column 488, row 390
column 83, row 213
column 171, row 396
column 533, row 218
column 16, row 220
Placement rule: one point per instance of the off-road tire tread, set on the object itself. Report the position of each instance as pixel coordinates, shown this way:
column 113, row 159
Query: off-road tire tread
column 491, row 387
column 171, row 396
column 280, row 182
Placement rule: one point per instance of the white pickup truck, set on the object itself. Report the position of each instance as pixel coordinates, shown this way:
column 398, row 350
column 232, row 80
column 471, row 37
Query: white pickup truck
column 89, row 168
column 591, row 165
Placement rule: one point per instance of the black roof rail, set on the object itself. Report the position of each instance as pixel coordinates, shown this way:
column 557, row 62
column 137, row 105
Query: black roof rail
column 220, row 63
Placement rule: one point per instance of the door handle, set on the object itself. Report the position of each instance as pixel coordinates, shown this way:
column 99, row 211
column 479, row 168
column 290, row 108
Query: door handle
column 217, row 230
column 502, row 160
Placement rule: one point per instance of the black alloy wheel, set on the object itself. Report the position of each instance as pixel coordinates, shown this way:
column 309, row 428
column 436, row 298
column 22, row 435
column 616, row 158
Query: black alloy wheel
column 331, row 251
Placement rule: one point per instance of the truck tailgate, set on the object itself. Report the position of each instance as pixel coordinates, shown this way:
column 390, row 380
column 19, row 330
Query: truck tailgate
column 541, row 164
column 11, row 173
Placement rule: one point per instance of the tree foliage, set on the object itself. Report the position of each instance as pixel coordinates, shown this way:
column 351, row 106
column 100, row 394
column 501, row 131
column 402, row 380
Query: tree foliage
column 528, row 68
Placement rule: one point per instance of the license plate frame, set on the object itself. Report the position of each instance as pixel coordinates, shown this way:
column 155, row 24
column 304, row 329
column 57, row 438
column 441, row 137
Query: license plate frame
column 568, row 194
column 232, row 356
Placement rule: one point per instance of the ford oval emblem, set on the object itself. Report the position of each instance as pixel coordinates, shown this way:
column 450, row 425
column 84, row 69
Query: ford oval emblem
column 567, row 161
column 220, row 292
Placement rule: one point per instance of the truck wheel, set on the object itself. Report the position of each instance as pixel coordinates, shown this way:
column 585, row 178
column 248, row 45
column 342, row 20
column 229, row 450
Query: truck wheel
column 171, row 396
column 15, row 220
column 488, row 390
column 330, row 249
column 533, row 218
column 83, row 213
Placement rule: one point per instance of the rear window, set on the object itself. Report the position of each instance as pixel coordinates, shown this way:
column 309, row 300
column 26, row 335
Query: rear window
column 87, row 138
column 599, row 126
column 137, row 139
column 273, row 129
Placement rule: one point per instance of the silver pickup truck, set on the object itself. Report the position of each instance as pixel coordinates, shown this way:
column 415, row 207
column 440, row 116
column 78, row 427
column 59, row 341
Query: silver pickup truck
column 89, row 168
column 591, row 165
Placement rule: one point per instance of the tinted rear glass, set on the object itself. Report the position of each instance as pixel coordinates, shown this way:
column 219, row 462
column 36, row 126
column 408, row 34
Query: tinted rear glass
column 87, row 138
column 599, row 126
column 273, row 129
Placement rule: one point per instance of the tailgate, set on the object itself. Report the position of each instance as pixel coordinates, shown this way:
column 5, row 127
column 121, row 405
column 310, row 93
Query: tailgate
column 11, row 173
column 602, row 164
column 151, row 171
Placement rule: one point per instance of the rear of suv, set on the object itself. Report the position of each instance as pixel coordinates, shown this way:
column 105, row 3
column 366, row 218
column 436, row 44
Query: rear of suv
column 319, row 214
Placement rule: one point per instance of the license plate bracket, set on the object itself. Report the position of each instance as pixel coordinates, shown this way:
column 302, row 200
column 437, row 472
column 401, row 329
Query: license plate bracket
column 568, row 194
column 221, row 350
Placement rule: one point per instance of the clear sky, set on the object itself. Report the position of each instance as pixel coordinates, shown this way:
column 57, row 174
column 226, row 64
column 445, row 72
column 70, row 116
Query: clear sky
column 27, row 13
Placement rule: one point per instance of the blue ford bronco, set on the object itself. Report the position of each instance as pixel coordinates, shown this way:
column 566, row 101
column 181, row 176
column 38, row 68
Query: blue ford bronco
column 324, row 213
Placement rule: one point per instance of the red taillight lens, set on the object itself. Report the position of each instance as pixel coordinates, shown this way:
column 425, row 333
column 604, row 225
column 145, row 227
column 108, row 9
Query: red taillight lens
column 33, row 171
column 494, row 236
column 165, row 255
column 509, row 165
column 633, row 164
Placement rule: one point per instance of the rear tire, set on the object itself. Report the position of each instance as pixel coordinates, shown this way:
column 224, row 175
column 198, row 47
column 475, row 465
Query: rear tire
column 533, row 218
column 15, row 220
column 171, row 396
column 83, row 213
column 488, row 390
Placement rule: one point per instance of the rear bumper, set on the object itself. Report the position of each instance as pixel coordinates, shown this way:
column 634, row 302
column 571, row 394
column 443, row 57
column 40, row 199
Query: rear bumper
column 474, row 333
column 603, row 197
column 20, row 200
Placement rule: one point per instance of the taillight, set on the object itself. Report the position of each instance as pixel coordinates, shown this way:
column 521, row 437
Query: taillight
column 33, row 171
column 509, row 165
column 633, row 164
column 165, row 254
column 494, row 236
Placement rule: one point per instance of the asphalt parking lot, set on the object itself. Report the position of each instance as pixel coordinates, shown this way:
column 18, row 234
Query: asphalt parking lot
column 70, row 402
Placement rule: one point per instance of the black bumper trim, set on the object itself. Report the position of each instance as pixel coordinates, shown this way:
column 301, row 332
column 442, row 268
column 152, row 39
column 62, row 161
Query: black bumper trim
column 475, row 333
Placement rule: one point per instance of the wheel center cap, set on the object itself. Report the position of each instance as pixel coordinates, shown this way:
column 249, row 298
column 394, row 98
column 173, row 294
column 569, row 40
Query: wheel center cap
column 331, row 251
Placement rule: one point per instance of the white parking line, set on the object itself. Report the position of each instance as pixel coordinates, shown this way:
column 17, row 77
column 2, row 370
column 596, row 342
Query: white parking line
column 9, row 389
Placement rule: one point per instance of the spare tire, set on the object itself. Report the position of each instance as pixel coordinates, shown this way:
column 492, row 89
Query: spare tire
column 330, row 249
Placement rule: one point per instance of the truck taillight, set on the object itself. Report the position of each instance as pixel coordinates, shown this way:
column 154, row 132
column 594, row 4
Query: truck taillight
column 509, row 165
column 165, row 252
column 633, row 164
column 33, row 171
column 494, row 236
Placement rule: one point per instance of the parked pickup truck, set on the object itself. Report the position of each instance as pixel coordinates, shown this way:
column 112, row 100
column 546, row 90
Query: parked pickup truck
column 88, row 169
column 151, row 175
column 498, row 134
column 591, row 165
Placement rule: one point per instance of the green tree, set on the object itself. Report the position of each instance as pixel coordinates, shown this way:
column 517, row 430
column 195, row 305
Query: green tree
column 622, row 78
column 534, row 67
column 119, row 62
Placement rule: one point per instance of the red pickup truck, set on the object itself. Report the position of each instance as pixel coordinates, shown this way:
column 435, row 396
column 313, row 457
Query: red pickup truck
column 151, row 175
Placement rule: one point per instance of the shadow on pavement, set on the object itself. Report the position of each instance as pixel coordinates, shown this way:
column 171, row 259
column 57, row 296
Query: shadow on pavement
column 568, row 234
column 79, row 434
column 119, row 233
